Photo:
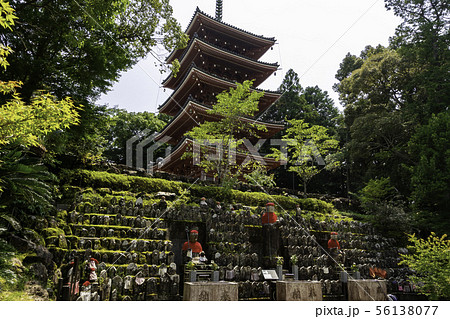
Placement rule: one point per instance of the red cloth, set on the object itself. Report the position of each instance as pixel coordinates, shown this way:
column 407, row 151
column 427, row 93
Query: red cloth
column 333, row 243
column 196, row 248
column 269, row 218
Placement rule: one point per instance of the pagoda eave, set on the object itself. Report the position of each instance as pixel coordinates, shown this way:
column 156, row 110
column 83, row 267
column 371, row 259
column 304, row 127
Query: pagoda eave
column 201, row 20
column 197, row 76
column 259, row 71
column 194, row 113
column 177, row 165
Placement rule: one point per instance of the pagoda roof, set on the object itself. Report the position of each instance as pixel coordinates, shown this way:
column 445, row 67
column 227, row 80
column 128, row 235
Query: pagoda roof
column 194, row 113
column 172, row 105
column 201, row 18
column 197, row 45
column 176, row 165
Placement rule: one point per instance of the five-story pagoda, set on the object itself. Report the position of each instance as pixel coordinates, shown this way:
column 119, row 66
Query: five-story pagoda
column 217, row 56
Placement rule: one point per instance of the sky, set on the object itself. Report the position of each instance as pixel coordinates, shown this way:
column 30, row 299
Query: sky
column 313, row 36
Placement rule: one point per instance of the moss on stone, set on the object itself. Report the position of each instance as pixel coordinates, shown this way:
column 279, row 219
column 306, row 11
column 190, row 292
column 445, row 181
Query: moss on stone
column 62, row 214
column 49, row 232
column 32, row 235
column 118, row 182
column 104, row 191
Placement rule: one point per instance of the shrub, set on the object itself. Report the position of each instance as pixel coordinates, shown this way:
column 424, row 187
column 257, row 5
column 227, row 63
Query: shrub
column 376, row 190
column 430, row 258
column 112, row 181
column 117, row 182
column 389, row 218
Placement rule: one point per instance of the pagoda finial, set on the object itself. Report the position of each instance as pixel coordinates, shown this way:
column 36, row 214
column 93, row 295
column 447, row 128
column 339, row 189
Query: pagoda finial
column 219, row 9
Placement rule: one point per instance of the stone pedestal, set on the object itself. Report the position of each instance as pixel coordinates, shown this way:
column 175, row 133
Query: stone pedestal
column 367, row 290
column 299, row 291
column 210, row 291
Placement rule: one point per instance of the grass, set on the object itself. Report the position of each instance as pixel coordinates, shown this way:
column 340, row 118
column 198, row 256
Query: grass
column 15, row 296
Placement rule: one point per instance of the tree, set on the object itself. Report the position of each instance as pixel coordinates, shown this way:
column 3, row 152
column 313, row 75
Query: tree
column 228, row 132
column 430, row 181
column 291, row 105
column 388, row 94
column 323, row 109
column 384, row 207
column 349, row 64
column 312, row 105
column 375, row 98
column 430, row 259
column 258, row 176
column 425, row 26
column 423, row 40
column 124, row 125
column 24, row 179
column 26, row 124
column 308, row 146
column 78, row 49
column 377, row 190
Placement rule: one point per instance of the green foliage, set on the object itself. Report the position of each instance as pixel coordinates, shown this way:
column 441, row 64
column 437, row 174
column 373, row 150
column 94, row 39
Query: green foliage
column 83, row 143
column 52, row 232
column 280, row 261
column 376, row 85
column 6, row 15
column 118, row 182
column 6, row 253
column 430, row 147
column 228, row 132
column 346, row 67
column 312, row 105
column 308, row 145
column 6, row 21
column 22, row 123
column 388, row 93
column 26, row 124
column 79, row 49
column 324, row 113
column 292, row 104
column 190, row 265
column 294, row 260
column 287, row 203
column 25, row 181
column 390, row 218
column 259, row 176
column 97, row 179
column 377, row 190
column 430, row 259
column 124, row 125
column 24, row 184
column 372, row 89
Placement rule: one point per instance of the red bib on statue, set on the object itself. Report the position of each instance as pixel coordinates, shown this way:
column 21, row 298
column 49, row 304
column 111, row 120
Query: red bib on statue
column 269, row 218
column 196, row 247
